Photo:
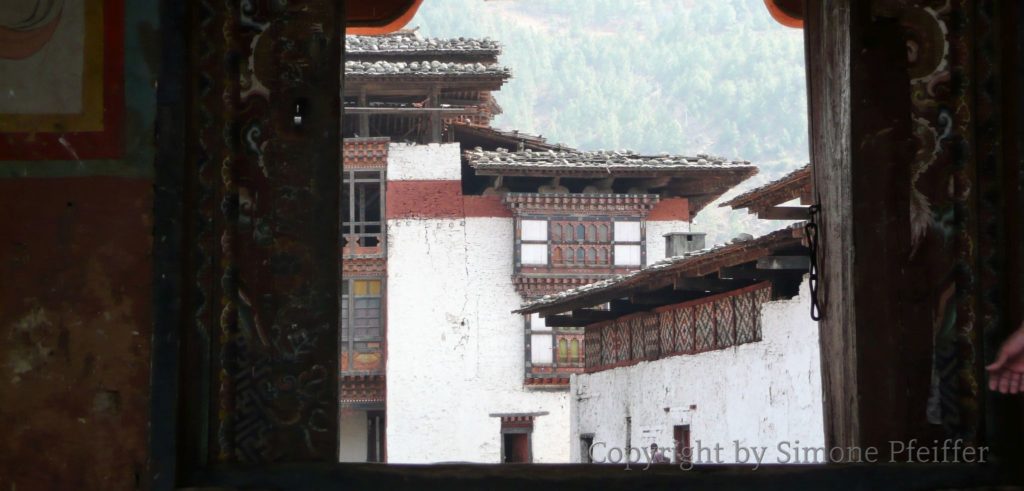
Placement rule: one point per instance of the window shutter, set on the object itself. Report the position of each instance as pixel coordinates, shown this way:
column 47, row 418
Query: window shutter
column 627, row 232
column 627, row 255
column 540, row 348
column 534, row 230
column 535, row 253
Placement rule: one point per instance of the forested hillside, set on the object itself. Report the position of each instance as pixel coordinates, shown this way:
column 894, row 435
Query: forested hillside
column 676, row 76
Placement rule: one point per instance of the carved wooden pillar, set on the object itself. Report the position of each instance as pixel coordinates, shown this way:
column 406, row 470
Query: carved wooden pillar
column 899, row 133
column 261, row 352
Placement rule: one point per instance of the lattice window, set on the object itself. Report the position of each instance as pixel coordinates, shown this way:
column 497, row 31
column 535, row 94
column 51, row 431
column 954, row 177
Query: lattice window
column 636, row 337
column 620, row 341
column 651, row 344
column 666, row 331
column 760, row 297
column 685, row 330
column 725, row 328
column 705, row 319
column 607, row 344
column 746, row 318
column 592, row 347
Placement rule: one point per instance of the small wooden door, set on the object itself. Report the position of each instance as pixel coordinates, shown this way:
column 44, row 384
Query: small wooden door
column 375, row 436
column 516, row 448
column 681, row 439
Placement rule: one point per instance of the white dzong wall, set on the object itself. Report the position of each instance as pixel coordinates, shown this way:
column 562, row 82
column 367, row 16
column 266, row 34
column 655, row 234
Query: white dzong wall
column 656, row 230
column 766, row 393
column 352, row 427
column 454, row 349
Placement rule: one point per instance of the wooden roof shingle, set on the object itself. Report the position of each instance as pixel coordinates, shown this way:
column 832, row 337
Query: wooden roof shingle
column 788, row 187
column 599, row 160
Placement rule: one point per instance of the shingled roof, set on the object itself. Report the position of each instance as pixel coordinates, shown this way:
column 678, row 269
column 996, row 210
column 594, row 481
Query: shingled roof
column 506, row 137
column 405, row 43
column 406, row 55
column 596, row 161
column 697, row 263
column 789, row 187
column 380, row 68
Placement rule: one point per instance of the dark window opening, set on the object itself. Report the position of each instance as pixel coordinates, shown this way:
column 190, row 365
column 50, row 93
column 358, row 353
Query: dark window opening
column 515, row 448
column 362, row 204
column 586, row 442
column 361, row 319
column 375, row 436
column 681, row 443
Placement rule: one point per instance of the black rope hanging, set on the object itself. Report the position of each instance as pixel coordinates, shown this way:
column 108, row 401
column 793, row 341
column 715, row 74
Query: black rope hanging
column 811, row 233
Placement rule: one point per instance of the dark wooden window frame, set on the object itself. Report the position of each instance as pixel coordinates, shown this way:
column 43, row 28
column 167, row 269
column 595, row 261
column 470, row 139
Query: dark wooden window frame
column 554, row 241
column 518, row 431
column 169, row 469
column 355, row 225
column 349, row 345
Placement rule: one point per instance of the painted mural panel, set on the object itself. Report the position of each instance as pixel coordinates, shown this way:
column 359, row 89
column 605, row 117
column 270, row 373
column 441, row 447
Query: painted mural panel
column 61, row 79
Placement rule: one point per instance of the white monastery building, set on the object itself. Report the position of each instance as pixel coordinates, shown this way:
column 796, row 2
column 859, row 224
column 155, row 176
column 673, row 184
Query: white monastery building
column 451, row 226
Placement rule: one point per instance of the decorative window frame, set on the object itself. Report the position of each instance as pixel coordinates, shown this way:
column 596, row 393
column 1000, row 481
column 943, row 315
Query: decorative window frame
column 353, row 231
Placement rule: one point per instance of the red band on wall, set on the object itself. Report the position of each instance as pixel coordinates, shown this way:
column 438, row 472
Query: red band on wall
column 439, row 199
column 670, row 209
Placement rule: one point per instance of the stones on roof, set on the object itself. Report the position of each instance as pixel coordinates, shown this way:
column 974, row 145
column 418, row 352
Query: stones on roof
column 423, row 68
column 599, row 159
column 411, row 43
column 790, row 183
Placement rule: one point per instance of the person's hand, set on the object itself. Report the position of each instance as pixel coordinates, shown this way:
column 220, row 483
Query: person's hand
column 1006, row 374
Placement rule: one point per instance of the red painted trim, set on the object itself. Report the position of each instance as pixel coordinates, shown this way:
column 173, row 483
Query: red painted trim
column 361, row 25
column 105, row 144
column 439, row 199
column 485, row 206
column 787, row 12
column 670, row 209
column 424, row 199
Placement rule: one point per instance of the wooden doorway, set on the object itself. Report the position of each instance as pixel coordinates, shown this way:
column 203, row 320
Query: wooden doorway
column 375, row 436
column 515, row 448
column 681, row 443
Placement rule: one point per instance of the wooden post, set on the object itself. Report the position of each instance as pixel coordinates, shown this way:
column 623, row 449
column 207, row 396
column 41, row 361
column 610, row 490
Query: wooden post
column 435, row 117
column 364, row 119
column 876, row 338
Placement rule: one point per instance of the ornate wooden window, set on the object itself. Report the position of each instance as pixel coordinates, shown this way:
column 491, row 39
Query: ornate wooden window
column 541, row 342
column 560, row 244
column 362, row 333
column 533, row 236
column 362, row 210
column 628, row 240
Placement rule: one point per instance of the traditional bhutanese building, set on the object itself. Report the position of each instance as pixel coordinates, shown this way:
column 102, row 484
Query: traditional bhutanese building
column 449, row 225
column 707, row 348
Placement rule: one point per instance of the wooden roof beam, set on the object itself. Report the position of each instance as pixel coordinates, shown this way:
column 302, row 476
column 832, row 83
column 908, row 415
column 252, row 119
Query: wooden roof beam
column 562, row 320
column 783, row 213
column 784, row 263
column 410, row 111
column 714, row 285
column 656, row 298
column 749, row 271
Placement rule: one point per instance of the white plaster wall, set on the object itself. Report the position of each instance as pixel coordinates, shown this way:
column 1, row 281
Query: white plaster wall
column 760, row 393
column 353, row 427
column 655, row 237
column 455, row 350
column 434, row 161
